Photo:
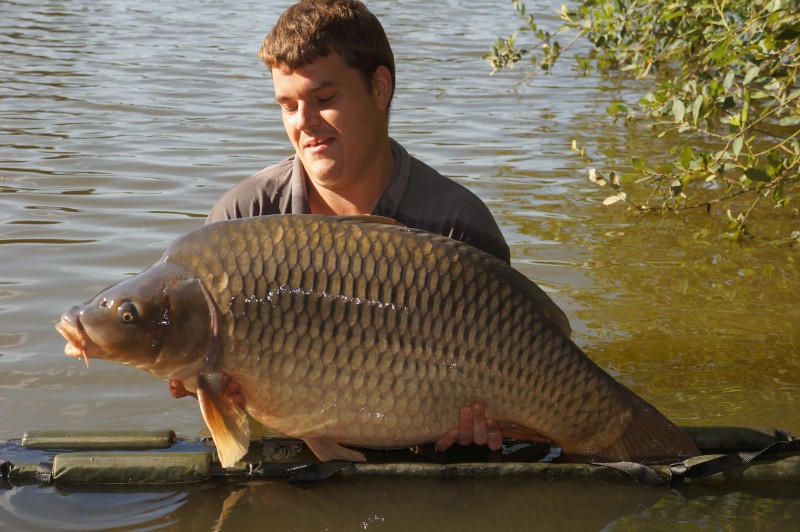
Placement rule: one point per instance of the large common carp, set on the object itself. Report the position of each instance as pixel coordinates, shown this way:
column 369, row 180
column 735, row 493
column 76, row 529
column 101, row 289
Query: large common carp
column 352, row 331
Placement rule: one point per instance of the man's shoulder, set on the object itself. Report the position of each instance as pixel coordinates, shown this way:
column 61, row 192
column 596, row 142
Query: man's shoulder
column 259, row 193
column 428, row 185
column 440, row 205
column 268, row 179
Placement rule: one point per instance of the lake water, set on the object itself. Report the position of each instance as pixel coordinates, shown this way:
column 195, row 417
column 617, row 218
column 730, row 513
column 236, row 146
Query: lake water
column 122, row 122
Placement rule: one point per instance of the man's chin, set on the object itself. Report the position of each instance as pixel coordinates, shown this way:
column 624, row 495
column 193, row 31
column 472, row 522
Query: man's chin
column 320, row 169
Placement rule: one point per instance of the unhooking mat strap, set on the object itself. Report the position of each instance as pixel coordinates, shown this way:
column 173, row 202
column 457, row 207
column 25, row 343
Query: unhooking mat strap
column 727, row 462
column 681, row 471
column 635, row 470
column 314, row 471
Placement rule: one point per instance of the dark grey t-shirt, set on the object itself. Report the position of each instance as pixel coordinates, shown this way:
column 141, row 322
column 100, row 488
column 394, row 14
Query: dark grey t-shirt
column 418, row 196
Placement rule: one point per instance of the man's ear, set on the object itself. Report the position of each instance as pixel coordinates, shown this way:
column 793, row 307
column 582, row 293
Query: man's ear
column 382, row 85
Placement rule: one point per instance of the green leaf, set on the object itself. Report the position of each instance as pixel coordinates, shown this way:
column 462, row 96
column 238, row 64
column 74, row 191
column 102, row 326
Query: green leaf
column 686, row 157
column 757, row 174
column 696, row 106
column 674, row 14
column 737, row 146
column 728, row 81
column 752, row 72
column 745, row 108
column 790, row 120
column 720, row 51
column 678, row 110
column 637, row 163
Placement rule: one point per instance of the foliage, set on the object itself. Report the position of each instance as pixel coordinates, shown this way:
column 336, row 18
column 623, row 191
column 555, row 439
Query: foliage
column 725, row 92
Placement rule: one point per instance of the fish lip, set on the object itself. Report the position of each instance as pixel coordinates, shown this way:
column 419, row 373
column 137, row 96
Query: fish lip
column 79, row 345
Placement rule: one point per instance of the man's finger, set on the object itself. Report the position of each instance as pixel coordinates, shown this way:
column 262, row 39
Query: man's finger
column 494, row 437
column 465, row 426
column 479, row 430
column 232, row 390
column 177, row 390
column 448, row 440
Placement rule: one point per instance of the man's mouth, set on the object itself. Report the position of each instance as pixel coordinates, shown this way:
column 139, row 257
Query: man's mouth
column 319, row 144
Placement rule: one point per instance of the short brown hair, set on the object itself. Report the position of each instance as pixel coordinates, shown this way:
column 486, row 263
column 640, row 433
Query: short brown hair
column 311, row 29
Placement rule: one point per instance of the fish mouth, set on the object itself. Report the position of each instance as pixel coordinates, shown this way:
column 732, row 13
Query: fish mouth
column 79, row 345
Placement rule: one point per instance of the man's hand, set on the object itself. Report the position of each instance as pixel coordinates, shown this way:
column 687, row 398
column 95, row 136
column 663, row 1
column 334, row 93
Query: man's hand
column 230, row 390
column 177, row 390
column 473, row 427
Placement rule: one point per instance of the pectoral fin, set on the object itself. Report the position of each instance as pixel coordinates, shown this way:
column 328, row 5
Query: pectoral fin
column 227, row 421
column 327, row 450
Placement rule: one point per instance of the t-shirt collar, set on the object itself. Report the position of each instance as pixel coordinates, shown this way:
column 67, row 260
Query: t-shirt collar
column 299, row 198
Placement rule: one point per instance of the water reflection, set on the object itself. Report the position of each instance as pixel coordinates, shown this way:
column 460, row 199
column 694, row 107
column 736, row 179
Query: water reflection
column 721, row 508
column 398, row 504
column 429, row 505
column 21, row 509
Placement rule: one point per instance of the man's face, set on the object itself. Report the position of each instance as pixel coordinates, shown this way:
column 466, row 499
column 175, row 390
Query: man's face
column 334, row 122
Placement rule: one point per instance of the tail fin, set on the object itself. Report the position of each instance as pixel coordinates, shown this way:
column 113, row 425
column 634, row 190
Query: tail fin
column 649, row 438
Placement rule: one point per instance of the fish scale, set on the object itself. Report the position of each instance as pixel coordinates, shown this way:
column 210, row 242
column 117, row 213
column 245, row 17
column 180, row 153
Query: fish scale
column 357, row 332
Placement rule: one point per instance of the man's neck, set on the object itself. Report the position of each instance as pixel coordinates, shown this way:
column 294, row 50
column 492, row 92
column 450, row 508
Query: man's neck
column 356, row 196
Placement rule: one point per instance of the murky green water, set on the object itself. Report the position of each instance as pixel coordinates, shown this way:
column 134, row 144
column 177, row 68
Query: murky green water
column 122, row 122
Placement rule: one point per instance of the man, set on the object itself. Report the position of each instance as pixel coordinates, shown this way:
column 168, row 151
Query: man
column 334, row 79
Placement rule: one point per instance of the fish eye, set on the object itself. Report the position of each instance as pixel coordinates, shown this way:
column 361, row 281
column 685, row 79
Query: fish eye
column 127, row 312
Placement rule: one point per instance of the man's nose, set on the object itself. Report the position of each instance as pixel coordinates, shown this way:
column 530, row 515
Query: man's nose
column 307, row 116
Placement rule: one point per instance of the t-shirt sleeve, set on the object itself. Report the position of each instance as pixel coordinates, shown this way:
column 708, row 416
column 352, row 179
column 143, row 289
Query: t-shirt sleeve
column 437, row 204
column 481, row 231
column 265, row 192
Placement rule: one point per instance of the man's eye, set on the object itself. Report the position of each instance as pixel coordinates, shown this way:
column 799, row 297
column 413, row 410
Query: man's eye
column 325, row 101
column 288, row 108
